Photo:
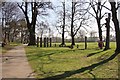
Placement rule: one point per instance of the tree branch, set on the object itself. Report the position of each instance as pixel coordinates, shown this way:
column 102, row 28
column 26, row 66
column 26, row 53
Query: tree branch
column 106, row 7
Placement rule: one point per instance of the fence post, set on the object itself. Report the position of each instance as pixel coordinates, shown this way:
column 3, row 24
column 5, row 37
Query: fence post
column 55, row 44
column 77, row 46
column 47, row 42
column 50, row 42
column 37, row 41
column 44, row 42
column 85, row 42
column 41, row 42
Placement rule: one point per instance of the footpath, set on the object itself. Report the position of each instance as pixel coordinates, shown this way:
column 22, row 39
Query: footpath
column 15, row 64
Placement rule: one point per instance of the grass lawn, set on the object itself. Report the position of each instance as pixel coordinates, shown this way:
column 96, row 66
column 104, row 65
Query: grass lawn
column 53, row 61
column 9, row 47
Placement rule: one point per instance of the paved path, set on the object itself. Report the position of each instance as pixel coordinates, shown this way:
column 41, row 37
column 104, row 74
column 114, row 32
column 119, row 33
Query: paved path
column 15, row 64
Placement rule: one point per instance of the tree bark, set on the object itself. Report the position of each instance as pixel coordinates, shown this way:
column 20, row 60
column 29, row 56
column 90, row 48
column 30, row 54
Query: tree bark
column 31, row 25
column 73, row 40
column 72, row 33
column 37, row 41
column 63, row 27
column 107, row 45
column 31, row 37
column 99, row 29
column 116, row 24
column 98, row 10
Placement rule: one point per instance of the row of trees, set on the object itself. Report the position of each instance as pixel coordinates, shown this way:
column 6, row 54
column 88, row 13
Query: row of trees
column 19, row 20
column 35, row 9
column 72, row 19
column 13, row 23
column 78, row 14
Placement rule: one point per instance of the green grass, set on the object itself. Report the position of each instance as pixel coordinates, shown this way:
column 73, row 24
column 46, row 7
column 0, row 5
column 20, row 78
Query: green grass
column 9, row 47
column 52, row 61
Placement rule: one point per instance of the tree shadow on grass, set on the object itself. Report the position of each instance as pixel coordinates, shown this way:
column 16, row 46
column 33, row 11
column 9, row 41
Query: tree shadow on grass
column 48, row 54
column 91, row 54
column 73, row 72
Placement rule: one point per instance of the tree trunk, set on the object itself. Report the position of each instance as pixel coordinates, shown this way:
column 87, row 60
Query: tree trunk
column 72, row 33
column 107, row 45
column 98, row 16
column 5, row 38
column 99, row 30
column 63, row 42
column 63, row 27
column 73, row 41
column 63, row 32
column 31, row 36
column 8, row 37
column 116, row 24
column 31, row 26
column 37, row 41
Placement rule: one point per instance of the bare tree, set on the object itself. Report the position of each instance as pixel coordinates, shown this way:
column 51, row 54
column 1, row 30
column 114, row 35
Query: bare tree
column 97, row 7
column 78, row 15
column 63, row 26
column 116, row 24
column 35, row 6
column 107, row 25
column 23, row 30
column 43, row 28
column 9, row 11
column 60, row 24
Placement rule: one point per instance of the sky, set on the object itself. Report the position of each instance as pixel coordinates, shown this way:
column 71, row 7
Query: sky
column 93, row 23
column 119, row 15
